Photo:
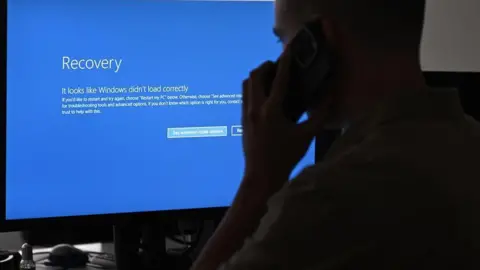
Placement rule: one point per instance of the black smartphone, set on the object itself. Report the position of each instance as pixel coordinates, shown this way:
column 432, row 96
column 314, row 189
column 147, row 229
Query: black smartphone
column 311, row 66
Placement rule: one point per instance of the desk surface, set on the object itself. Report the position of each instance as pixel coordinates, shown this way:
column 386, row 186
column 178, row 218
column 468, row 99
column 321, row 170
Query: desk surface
column 43, row 267
column 42, row 253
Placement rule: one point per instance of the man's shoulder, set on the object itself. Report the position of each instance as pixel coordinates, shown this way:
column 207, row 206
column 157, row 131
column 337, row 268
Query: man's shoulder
column 392, row 159
column 473, row 124
column 410, row 126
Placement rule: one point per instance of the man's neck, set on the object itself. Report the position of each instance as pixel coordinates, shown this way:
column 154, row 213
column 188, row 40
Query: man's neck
column 370, row 84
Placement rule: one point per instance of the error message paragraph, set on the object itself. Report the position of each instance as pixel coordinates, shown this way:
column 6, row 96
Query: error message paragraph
column 98, row 100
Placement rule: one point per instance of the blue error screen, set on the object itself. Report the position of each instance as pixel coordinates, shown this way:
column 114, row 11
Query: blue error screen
column 128, row 106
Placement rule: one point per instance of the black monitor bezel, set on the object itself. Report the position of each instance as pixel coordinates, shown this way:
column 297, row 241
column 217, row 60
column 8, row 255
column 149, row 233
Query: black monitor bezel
column 438, row 78
column 3, row 124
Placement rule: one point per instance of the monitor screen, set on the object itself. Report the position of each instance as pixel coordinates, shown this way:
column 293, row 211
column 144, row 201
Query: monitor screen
column 128, row 106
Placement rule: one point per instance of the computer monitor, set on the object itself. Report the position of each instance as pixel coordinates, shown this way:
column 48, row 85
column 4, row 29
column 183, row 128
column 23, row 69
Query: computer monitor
column 130, row 106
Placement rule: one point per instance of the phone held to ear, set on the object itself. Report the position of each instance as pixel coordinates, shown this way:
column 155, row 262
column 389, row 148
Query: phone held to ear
column 310, row 69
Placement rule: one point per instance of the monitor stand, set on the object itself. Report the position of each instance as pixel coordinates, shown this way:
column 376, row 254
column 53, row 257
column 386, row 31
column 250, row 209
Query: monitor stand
column 140, row 247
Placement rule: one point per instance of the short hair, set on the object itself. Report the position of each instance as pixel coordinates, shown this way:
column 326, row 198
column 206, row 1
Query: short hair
column 377, row 23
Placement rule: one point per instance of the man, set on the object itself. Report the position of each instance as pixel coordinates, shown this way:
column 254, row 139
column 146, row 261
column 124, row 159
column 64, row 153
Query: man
column 398, row 190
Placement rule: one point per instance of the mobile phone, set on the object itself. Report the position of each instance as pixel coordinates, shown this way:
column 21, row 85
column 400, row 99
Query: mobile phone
column 311, row 66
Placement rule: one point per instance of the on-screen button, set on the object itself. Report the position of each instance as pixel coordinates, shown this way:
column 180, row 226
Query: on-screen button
column 237, row 131
column 196, row 132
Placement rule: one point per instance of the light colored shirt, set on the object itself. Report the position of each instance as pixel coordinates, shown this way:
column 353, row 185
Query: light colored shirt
column 399, row 190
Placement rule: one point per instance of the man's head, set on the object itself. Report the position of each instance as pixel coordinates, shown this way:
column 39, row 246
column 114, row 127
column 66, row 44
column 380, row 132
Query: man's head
column 376, row 45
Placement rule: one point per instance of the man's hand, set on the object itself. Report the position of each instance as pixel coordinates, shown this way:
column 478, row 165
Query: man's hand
column 273, row 144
